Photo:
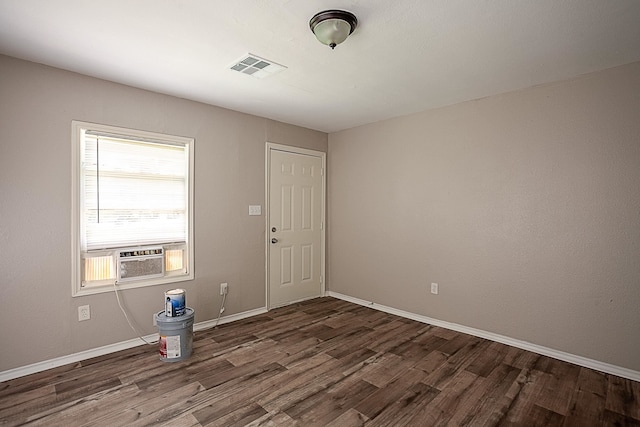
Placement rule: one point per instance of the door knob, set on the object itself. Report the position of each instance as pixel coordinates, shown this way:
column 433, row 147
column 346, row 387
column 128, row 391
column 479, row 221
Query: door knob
column 274, row 240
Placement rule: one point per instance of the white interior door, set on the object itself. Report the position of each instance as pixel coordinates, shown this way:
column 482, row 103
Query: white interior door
column 295, row 231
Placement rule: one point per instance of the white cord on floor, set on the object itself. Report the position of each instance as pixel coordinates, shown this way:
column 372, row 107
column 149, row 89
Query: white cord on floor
column 115, row 288
column 224, row 298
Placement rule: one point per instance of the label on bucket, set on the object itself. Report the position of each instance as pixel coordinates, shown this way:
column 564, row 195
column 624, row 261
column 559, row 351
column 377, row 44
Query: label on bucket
column 169, row 346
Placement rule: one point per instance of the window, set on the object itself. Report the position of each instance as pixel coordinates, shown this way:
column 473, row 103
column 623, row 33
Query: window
column 132, row 208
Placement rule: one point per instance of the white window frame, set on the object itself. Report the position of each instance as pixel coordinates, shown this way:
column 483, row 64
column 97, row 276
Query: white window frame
column 77, row 127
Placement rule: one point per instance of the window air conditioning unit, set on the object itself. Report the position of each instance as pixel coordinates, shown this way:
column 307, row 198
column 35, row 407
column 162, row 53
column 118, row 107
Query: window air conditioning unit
column 140, row 263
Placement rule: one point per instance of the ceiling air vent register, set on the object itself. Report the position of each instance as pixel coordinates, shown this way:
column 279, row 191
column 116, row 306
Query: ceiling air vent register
column 257, row 67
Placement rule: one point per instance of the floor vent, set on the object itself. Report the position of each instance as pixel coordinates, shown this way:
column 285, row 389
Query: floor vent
column 255, row 66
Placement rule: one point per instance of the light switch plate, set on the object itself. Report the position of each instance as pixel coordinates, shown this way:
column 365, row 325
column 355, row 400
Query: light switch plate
column 255, row 210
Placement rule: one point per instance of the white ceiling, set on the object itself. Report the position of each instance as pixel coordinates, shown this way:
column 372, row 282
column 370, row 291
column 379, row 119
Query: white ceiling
column 405, row 56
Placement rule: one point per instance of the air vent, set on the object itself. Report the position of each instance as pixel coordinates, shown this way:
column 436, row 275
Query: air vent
column 140, row 263
column 255, row 66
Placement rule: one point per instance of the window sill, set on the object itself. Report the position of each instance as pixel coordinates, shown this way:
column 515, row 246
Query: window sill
column 99, row 289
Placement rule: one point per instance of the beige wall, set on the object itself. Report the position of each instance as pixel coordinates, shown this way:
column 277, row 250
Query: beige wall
column 524, row 207
column 37, row 103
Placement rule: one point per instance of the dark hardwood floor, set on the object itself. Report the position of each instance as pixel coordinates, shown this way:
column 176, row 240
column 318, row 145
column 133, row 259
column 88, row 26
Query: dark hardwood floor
column 324, row 362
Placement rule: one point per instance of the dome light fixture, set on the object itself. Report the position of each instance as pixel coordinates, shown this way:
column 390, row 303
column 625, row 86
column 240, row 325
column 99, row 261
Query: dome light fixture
column 332, row 27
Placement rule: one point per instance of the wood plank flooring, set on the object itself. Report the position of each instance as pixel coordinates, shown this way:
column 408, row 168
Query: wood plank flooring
column 324, row 362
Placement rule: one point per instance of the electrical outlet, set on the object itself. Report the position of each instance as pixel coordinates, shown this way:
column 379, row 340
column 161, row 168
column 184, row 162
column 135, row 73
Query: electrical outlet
column 84, row 313
column 434, row 288
column 224, row 288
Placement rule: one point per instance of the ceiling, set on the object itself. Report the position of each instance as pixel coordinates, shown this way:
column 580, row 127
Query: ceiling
column 404, row 57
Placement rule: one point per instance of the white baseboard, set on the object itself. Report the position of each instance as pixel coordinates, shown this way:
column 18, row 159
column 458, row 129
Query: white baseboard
column 556, row 354
column 228, row 319
column 112, row 348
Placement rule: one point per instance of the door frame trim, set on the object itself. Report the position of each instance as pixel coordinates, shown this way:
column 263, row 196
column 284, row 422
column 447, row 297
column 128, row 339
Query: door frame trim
column 271, row 146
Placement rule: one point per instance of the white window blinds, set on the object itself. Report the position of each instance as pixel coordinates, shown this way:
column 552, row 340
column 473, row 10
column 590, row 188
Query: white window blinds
column 133, row 192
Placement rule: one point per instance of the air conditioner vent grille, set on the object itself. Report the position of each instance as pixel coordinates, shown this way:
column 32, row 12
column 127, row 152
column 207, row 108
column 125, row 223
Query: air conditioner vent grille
column 255, row 66
column 140, row 263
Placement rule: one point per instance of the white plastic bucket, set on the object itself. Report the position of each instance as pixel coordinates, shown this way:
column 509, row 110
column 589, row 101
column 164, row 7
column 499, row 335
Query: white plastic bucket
column 176, row 336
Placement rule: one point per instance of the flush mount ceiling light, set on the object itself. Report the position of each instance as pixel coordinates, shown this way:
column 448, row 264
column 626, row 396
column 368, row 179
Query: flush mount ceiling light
column 332, row 27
